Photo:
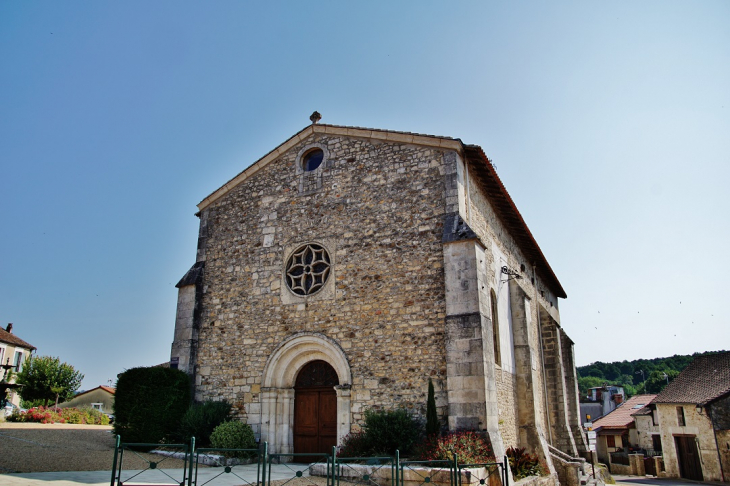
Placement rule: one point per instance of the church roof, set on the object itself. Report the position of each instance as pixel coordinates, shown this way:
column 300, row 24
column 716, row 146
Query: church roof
column 495, row 191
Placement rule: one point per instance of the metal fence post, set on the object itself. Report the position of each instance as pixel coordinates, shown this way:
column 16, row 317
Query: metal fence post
column 397, row 469
column 263, row 460
column 191, row 455
column 334, row 467
column 114, row 462
column 507, row 470
column 456, row 478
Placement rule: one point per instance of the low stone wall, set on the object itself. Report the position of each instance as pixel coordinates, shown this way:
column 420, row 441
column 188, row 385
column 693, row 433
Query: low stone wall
column 622, row 469
column 551, row 480
column 412, row 476
column 634, row 468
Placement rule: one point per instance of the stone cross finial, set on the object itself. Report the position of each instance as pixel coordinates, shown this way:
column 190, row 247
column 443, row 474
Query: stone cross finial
column 315, row 117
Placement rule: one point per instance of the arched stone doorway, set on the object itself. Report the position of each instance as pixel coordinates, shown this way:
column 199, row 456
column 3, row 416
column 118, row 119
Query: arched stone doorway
column 315, row 408
column 279, row 381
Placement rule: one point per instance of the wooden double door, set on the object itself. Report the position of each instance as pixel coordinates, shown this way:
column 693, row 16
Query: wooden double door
column 688, row 457
column 315, row 409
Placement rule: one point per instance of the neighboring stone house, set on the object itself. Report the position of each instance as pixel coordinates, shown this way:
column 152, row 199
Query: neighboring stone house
column 615, row 432
column 100, row 398
column 13, row 353
column 645, row 433
column 346, row 267
column 693, row 413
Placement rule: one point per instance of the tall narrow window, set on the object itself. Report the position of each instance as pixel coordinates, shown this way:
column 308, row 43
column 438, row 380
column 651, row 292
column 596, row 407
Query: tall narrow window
column 680, row 416
column 495, row 328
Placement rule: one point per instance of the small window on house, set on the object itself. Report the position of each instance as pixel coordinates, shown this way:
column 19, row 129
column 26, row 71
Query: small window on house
column 312, row 160
column 18, row 362
column 680, row 416
column 656, row 441
column 495, row 328
column 611, row 440
column 96, row 406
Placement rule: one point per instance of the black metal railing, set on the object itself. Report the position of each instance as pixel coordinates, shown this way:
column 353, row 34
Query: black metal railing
column 255, row 467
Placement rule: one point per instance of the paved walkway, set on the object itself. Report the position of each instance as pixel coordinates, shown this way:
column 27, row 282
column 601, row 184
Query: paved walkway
column 652, row 481
column 215, row 476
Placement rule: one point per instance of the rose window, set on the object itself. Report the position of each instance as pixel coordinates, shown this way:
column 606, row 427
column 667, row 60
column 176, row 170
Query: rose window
column 307, row 269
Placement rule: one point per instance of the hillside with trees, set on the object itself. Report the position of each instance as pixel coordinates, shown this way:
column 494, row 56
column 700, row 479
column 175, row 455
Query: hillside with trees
column 638, row 376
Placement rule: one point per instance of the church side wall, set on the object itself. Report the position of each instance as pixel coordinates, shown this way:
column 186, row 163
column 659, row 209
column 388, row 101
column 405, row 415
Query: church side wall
column 485, row 223
column 378, row 209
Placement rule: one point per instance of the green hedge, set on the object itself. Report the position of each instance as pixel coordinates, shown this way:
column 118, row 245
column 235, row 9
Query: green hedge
column 200, row 420
column 149, row 403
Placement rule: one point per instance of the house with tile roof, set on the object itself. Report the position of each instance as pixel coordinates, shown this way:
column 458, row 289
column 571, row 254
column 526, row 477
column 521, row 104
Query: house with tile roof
column 347, row 267
column 693, row 413
column 614, row 430
column 100, row 398
column 13, row 353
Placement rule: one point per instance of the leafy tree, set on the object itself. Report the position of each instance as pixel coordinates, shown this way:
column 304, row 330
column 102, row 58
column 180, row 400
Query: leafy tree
column 46, row 378
column 657, row 380
column 624, row 373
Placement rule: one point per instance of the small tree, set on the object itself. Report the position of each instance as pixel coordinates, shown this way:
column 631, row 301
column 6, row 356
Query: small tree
column 46, row 378
column 432, row 420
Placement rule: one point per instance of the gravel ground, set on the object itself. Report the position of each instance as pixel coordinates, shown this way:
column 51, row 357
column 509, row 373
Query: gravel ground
column 31, row 447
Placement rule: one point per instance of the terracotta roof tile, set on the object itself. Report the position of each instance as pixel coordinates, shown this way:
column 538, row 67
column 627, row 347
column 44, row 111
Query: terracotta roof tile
column 621, row 417
column 10, row 338
column 105, row 388
column 705, row 379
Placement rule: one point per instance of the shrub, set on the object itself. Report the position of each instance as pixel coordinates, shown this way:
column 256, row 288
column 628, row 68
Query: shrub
column 52, row 415
column 353, row 444
column 523, row 464
column 149, row 403
column 233, row 435
column 28, row 404
column 389, row 430
column 470, row 448
column 201, row 419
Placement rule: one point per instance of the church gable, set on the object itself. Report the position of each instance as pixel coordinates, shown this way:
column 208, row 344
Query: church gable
column 373, row 221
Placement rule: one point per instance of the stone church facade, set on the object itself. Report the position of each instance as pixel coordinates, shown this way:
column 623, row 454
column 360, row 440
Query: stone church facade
column 348, row 266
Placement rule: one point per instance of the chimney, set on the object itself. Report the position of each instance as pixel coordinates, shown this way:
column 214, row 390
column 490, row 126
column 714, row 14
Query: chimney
column 10, row 327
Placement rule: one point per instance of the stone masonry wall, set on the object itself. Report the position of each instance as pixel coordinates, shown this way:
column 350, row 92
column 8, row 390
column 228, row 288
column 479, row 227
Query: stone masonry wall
column 562, row 435
column 379, row 212
column 507, row 392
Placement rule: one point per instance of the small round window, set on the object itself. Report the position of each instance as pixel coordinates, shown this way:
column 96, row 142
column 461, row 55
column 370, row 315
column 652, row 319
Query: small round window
column 312, row 160
column 307, row 269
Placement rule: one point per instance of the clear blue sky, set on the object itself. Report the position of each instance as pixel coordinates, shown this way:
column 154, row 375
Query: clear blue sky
column 609, row 123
